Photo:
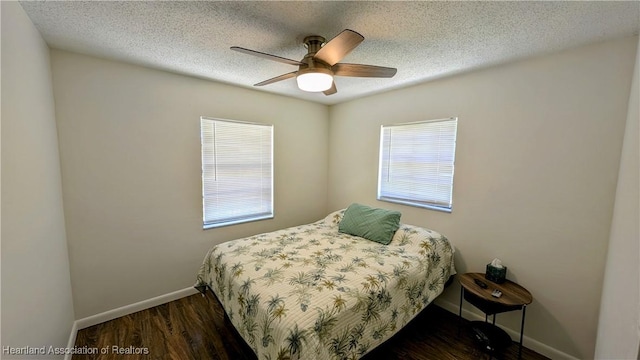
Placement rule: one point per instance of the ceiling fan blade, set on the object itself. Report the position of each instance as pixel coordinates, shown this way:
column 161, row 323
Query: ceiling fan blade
column 338, row 47
column 277, row 78
column 266, row 56
column 332, row 90
column 361, row 70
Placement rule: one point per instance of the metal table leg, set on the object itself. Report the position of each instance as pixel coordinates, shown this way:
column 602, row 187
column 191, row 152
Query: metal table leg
column 460, row 313
column 524, row 310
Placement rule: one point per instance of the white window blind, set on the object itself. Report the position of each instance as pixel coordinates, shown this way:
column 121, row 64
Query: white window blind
column 237, row 171
column 416, row 163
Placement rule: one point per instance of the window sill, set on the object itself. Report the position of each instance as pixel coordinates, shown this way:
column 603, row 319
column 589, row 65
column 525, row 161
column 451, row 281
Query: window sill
column 416, row 204
column 236, row 222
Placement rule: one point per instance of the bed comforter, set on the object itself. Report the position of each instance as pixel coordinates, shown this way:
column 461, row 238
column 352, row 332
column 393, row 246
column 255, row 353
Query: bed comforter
column 310, row 292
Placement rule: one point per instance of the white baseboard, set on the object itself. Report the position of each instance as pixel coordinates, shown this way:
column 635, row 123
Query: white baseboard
column 72, row 339
column 124, row 310
column 530, row 343
column 130, row 309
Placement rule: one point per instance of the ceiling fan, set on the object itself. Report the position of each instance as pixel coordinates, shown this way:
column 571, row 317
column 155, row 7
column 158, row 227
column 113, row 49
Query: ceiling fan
column 321, row 63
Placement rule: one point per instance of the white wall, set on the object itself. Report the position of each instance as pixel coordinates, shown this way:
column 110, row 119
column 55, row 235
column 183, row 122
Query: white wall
column 130, row 155
column 619, row 326
column 37, row 307
column 537, row 159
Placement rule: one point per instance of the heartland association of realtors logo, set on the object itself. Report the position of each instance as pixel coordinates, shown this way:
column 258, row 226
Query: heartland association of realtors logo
column 76, row 350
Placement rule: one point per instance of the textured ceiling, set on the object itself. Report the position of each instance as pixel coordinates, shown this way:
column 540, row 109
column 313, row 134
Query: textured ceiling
column 423, row 40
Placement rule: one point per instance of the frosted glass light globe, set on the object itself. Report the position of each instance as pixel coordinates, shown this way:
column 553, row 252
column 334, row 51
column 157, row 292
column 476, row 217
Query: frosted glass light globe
column 315, row 80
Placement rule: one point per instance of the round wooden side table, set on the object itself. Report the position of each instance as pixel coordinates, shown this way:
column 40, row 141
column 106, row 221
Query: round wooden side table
column 514, row 297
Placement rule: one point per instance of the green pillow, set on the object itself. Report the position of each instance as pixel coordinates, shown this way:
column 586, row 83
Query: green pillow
column 377, row 225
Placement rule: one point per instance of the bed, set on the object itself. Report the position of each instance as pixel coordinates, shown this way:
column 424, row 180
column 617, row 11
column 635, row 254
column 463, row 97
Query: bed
column 313, row 292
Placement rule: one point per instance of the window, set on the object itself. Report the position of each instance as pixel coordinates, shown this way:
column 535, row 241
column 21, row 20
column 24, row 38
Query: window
column 416, row 163
column 237, row 172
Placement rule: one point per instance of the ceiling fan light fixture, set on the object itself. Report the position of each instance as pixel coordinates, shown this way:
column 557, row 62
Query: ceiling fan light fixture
column 314, row 80
column 322, row 62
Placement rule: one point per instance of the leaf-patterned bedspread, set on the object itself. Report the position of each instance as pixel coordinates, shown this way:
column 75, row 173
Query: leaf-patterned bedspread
column 310, row 292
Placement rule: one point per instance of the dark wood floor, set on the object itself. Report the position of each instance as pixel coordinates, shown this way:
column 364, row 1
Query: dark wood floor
column 195, row 328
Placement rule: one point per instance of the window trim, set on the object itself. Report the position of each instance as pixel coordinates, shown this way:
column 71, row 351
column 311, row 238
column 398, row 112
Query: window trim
column 245, row 218
column 420, row 204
